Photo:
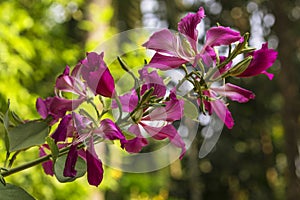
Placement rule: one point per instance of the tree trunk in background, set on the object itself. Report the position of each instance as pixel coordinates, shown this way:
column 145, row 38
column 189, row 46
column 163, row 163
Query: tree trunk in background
column 127, row 14
column 100, row 27
column 194, row 176
column 288, row 35
column 189, row 185
column 172, row 14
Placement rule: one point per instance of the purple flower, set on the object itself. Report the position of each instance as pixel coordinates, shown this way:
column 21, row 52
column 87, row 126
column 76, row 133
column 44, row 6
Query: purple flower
column 78, row 129
column 217, row 36
column 217, row 104
column 173, row 50
column 56, row 107
column 137, row 143
column 110, row 131
column 164, row 117
column 156, row 122
column 69, row 170
column 95, row 72
column 188, row 25
column 64, row 129
column 219, row 107
column 150, row 80
column 107, row 130
column 262, row 60
column 48, row 165
column 234, row 93
column 94, row 165
column 70, row 83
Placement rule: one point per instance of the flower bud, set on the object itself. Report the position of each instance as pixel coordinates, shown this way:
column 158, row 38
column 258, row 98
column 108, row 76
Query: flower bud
column 240, row 67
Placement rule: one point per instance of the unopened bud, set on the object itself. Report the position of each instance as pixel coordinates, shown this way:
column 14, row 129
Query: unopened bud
column 137, row 115
column 146, row 96
column 240, row 67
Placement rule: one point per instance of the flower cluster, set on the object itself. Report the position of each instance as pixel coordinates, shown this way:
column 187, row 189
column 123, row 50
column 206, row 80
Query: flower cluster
column 90, row 77
column 208, row 66
column 150, row 108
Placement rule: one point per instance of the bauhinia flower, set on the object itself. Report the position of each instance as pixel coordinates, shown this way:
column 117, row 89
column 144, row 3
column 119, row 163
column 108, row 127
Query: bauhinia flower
column 57, row 106
column 262, row 60
column 173, row 50
column 74, row 130
column 215, row 100
column 151, row 116
column 97, row 75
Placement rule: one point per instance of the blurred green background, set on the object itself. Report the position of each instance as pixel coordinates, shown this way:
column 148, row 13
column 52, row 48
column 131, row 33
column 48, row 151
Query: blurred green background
column 258, row 159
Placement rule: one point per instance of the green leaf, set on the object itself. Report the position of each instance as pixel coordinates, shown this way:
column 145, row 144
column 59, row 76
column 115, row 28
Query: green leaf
column 2, row 180
column 53, row 147
column 16, row 118
column 12, row 192
column 27, row 135
column 59, row 167
column 190, row 110
column 6, row 126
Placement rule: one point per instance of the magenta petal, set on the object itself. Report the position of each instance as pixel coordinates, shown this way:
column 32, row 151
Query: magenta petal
column 152, row 79
column 80, row 122
column 110, row 130
column 168, row 131
column 65, row 82
column 171, row 112
column 219, row 107
column 221, row 35
column 68, row 83
column 66, row 71
column 58, row 107
column 208, row 56
column 94, row 59
column 162, row 41
column 174, row 107
column 128, row 101
column 234, row 93
column 60, row 134
column 106, row 84
column 163, row 62
column 97, row 75
column 262, row 60
column 41, row 107
column 94, row 166
column 269, row 75
column 136, row 144
column 223, row 69
column 69, row 170
column 101, row 82
column 48, row 165
column 188, row 26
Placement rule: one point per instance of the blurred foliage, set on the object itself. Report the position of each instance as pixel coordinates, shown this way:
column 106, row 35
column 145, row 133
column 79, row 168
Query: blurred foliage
column 37, row 41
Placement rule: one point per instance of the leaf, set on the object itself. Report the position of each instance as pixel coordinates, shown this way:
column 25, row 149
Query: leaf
column 60, row 165
column 16, row 118
column 190, row 110
column 6, row 126
column 2, row 180
column 53, row 147
column 27, row 135
column 12, row 192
